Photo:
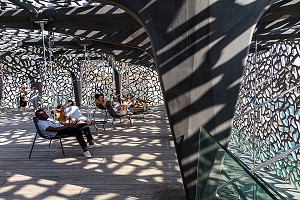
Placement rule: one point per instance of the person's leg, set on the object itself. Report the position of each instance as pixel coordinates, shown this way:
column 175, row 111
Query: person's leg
column 125, row 108
column 87, row 132
column 88, row 135
column 74, row 132
column 35, row 103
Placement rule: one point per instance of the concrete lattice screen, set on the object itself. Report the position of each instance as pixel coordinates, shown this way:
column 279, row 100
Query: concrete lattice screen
column 95, row 76
column 143, row 82
column 268, row 108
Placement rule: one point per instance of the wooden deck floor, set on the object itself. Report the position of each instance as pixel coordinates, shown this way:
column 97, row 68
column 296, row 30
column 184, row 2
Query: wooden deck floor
column 136, row 162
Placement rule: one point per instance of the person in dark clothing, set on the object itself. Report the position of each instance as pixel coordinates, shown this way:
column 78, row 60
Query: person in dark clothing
column 51, row 127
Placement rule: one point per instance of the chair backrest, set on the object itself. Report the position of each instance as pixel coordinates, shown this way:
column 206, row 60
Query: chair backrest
column 35, row 121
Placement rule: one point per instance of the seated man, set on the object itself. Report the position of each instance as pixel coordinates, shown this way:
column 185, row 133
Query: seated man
column 51, row 127
column 73, row 113
column 100, row 101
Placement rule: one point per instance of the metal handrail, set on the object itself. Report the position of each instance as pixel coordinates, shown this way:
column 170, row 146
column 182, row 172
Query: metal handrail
column 274, row 159
column 243, row 166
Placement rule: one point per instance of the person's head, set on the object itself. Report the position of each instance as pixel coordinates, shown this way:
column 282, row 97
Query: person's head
column 97, row 96
column 115, row 98
column 101, row 96
column 133, row 101
column 41, row 114
column 60, row 108
column 22, row 88
column 69, row 103
column 33, row 88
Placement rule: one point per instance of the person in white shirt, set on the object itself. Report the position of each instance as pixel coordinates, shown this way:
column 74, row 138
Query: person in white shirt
column 73, row 112
column 51, row 127
column 120, row 108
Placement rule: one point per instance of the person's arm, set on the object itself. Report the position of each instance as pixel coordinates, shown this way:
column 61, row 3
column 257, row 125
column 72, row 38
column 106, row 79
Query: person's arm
column 55, row 129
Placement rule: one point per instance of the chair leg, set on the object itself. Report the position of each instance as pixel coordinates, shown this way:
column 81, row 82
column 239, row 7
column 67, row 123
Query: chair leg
column 105, row 115
column 96, row 128
column 50, row 143
column 32, row 145
column 62, row 147
column 129, row 117
column 112, row 123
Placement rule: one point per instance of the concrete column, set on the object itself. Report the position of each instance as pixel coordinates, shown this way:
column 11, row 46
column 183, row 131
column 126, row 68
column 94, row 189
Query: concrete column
column 117, row 75
column 199, row 49
column 118, row 82
column 77, row 85
column 1, row 87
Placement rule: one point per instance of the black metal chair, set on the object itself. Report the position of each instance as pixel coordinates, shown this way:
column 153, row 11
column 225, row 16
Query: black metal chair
column 114, row 115
column 103, row 109
column 99, row 121
column 38, row 132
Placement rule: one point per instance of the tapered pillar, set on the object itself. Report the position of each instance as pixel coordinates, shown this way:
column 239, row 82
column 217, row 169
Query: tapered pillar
column 199, row 49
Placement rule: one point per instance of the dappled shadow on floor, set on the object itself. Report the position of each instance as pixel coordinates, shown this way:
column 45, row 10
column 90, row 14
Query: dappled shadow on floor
column 136, row 162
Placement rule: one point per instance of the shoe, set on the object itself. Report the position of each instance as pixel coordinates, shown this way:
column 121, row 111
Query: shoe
column 91, row 146
column 129, row 113
column 87, row 154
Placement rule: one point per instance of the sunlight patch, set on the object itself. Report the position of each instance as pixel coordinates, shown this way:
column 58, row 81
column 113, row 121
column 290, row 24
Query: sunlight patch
column 18, row 177
column 111, row 165
column 99, row 170
column 46, row 182
column 139, row 163
column 159, row 179
column 142, row 180
column 106, row 196
column 147, row 156
column 6, row 188
column 64, row 160
column 150, row 172
column 121, row 157
column 71, row 190
column 31, row 191
column 91, row 166
column 124, row 170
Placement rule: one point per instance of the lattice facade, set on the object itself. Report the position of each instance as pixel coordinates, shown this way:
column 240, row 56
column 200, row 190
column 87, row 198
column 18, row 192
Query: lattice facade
column 98, row 77
column 57, row 79
column 268, row 109
column 57, row 82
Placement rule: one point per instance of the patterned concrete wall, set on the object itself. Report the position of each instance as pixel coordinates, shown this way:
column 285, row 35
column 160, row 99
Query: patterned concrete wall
column 268, row 110
column 137, row 80
column 56, row 76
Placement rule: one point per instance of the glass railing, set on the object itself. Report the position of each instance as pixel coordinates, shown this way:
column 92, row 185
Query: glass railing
column 221, row 175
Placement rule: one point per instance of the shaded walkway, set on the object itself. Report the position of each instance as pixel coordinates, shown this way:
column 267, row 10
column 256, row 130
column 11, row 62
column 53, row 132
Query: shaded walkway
column 136, row 162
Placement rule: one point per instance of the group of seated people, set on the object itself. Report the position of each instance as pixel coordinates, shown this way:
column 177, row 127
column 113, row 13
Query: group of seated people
column 127, row 105
column 68, row 121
